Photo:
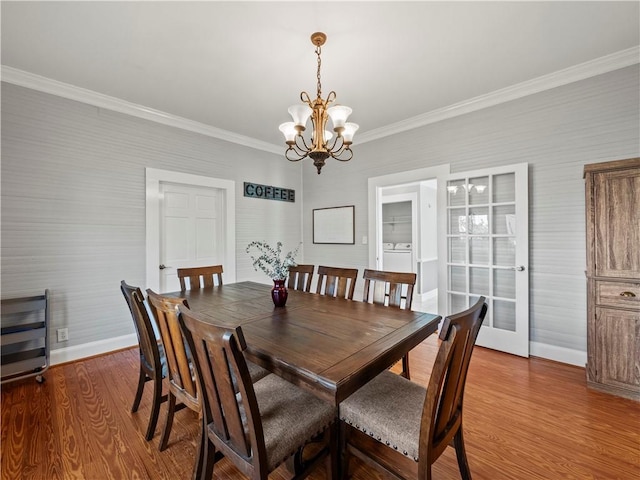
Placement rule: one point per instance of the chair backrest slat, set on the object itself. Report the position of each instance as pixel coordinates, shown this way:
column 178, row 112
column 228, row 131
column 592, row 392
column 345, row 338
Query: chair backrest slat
column 300, row 277
column 200, row 277
column 178, row 358
column 388, row 287
column 337, row 282
column 229, row 406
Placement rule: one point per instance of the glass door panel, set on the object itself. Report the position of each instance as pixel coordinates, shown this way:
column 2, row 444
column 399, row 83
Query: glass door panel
column 487, row 251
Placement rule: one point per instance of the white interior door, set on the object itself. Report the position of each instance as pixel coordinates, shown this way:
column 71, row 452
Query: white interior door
column 191, row 230
column 484, row 251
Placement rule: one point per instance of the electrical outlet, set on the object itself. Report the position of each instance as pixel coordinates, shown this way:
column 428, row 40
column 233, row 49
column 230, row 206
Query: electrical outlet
column 63, row 334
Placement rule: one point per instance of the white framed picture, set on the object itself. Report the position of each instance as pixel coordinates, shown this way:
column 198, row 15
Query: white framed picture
column 334, row 225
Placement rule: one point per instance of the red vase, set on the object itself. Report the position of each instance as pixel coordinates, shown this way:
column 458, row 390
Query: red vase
column 279, row 293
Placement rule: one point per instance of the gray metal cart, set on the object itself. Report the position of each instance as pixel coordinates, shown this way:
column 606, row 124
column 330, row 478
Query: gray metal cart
column 25, row 337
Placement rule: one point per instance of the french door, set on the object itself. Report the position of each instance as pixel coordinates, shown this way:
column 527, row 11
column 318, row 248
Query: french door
column 484, row 251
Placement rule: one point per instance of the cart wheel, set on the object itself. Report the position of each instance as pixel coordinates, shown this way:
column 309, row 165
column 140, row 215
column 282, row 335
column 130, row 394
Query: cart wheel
column 40, row 379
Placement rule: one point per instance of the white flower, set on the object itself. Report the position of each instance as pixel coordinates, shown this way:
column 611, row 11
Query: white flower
column 269, row 260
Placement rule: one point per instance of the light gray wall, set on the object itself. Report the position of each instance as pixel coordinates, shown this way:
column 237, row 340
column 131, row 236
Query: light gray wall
column 73, row 193
column 556, row 132
column 73, row 204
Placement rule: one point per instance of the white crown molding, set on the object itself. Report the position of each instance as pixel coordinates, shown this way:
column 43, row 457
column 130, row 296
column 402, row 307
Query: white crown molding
column 608, row 63
column 65, row 90
column 599, row 66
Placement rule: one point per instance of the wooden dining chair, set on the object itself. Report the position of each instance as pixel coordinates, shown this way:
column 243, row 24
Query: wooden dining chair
column 183, row 391
column 337, row 282
column 300, row 277
column 152, row 360
column 200, row 277
column 399, row 426
column 257, row 426
column 392, row 289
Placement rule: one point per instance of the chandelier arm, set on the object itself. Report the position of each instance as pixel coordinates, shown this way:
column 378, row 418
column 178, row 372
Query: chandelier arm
column 301, row 152
column 332, row 149
column 330, row 98
column 304, row 96
column 304, row 147
column 294, row 151
column 343, row 150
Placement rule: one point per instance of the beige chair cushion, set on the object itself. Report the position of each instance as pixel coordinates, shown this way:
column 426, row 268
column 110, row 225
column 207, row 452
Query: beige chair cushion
column 389, row 409
column 290, row 417
column 256, row 372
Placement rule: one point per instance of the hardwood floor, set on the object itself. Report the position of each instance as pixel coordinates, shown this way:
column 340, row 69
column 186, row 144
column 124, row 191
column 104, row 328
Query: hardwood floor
column 524, row 419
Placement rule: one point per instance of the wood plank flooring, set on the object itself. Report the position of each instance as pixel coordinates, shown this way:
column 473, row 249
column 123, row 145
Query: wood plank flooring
column 524, row 419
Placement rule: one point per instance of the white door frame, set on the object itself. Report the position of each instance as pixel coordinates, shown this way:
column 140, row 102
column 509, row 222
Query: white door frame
column 153, row 179
column 375, row 205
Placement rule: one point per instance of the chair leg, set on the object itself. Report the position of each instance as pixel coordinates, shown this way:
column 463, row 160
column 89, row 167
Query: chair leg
column 171, row 408
column 333, row 461
column 142, row 379
column 209, row 458
column 343, row 452
column 405, row 367
column 155, row 407
column 461, row 455
column 201, row 452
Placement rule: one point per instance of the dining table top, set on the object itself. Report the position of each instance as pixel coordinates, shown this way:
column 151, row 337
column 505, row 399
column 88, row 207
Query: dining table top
column 329, row 346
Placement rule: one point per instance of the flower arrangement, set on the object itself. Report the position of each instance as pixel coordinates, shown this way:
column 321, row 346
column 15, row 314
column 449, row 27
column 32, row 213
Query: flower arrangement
column 269, row 259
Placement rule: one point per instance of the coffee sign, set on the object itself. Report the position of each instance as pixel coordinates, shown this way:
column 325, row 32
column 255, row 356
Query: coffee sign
column 269, row 192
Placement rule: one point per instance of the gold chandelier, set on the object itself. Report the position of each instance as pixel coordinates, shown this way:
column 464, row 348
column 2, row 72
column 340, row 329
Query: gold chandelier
column 320, row 148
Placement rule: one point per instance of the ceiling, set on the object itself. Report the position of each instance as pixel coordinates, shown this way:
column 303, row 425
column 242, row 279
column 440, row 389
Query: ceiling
column 237, row 66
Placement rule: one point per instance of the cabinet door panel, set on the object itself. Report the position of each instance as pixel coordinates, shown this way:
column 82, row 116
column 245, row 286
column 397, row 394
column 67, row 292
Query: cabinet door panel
column 618, row 347
column 617, row 229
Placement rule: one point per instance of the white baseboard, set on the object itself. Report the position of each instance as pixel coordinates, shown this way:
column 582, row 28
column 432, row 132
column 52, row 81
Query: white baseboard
column 426, row 296
column 558, row 354
column 77, row 352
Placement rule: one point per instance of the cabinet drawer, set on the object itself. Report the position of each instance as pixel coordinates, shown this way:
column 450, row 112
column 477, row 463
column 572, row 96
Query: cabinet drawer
column 618, row 294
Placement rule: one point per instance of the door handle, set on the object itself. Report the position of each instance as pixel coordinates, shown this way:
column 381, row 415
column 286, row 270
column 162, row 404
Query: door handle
column 519, row 268
column 163, row 266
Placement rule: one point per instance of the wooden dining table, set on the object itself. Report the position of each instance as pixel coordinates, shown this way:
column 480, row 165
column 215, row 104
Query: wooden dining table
column 329, row 346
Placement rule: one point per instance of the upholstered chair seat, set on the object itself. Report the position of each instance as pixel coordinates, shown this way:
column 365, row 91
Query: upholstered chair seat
column 288, row 414
column 256, row 372
column 389, row 409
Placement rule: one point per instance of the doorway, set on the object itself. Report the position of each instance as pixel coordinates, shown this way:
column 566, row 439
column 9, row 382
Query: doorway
column 411, row 186
column 156, row 183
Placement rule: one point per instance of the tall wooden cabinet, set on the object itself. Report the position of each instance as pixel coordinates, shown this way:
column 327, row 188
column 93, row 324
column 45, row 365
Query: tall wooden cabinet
column 613, row 276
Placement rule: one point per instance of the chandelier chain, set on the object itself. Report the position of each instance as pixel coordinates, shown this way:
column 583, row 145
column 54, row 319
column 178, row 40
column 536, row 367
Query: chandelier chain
column 318, row 52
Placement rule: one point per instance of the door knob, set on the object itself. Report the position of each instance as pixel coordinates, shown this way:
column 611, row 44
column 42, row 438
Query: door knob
column 163, row 266
column 519, row 268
